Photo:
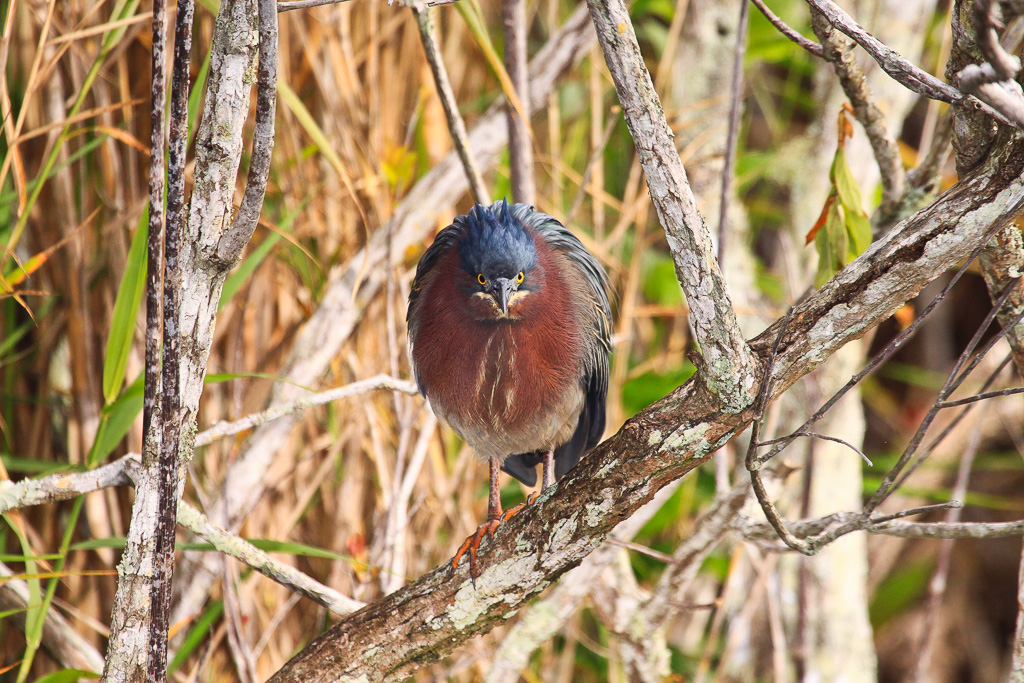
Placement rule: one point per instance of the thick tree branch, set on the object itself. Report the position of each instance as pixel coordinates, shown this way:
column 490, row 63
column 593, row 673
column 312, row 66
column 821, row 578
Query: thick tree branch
column 724, row 358
column 429, row 618
column 143, row 598
column 210, row 246
column 168, row 468
column 547, row 616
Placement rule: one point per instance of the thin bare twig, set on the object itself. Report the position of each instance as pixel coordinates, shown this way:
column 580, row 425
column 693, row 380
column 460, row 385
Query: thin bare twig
column 305, row 4
column 815, row 435
column 807, row 44
column 732, row 137
column 65, row 486
column 910, row 512
column 897, row 342
column 456, row 126
column 893, row 480
column 223, row 429
column 848, row 522
column 981, row 397
column 837, row 51
column 753, row 464
column 834, row 526
column 288, row 576
column 937, row 586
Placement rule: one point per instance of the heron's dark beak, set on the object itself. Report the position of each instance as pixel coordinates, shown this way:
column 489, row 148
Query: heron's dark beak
column 501, row 290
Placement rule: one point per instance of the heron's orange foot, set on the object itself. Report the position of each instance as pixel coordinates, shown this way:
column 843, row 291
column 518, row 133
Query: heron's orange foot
column 472, row 544
column 505, row 516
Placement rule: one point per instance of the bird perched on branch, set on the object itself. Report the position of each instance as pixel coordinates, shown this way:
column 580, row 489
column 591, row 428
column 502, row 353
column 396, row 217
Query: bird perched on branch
column 510, row 335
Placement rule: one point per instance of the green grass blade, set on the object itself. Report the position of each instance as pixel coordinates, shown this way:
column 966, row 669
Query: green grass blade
column 67, row 676
column 240, row 275
column 196, row 635
column 126, row 309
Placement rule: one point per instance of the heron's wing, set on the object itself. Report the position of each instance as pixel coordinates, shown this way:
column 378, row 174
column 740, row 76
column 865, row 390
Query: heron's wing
column 444, row 241
column 523, row 466
column 591, row 423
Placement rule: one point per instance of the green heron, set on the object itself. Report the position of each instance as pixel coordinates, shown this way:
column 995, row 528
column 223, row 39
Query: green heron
column 510, row 335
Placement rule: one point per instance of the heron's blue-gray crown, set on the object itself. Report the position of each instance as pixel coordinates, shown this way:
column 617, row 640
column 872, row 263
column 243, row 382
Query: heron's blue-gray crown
column 494, row 243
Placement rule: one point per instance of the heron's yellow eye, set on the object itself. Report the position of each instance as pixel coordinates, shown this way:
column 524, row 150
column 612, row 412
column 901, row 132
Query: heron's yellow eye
column 519, row 278
column 481, row 279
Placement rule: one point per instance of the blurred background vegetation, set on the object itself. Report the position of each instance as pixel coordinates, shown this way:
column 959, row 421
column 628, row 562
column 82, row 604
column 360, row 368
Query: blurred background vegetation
column 358, row 124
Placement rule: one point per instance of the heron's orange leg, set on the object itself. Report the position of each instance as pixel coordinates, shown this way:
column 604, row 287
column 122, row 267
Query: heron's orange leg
column 495, row 517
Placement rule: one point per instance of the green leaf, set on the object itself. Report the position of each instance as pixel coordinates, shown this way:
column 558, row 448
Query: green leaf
column 67, row 676
column 115, row 421
column 659, row 280
column 472, row 14
column 27, row 558
column 246, row 268
column 846, row 186
column 832, row 243
column 12, row 339
column 196, row 635
column 271, row 546
column 96, row 543
column 15, row 463
column 35, row 615
column 859, row 229
column 126, row 309
column 899, row 591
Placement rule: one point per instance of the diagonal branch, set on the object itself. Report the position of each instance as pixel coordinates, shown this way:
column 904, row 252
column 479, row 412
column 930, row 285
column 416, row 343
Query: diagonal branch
column 894, row 64
column 429, row 618
column 456, row 126
column 725, row 361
